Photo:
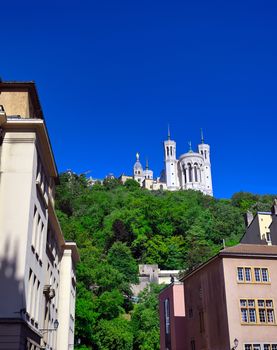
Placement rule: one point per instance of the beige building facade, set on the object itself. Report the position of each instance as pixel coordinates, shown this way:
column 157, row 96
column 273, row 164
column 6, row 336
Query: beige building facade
column 37, row 265
column 258, row 228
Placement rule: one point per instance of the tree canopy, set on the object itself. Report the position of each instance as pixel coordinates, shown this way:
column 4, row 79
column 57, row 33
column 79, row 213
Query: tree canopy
column 117, row 227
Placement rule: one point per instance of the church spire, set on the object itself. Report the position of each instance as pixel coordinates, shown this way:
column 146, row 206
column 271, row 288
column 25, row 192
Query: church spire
column 137, row 156
column 168, row 132
column 147, row 165
column 190, row 147
column 202, row 136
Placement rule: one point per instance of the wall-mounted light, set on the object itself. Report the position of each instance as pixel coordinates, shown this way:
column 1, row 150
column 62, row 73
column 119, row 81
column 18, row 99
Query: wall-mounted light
column 236, row 343
column 56, row 325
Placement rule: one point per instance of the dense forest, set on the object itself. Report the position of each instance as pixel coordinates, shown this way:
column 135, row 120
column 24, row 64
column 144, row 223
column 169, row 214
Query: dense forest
column 117, row 227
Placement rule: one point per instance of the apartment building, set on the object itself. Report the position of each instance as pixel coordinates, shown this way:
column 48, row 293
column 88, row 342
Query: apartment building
column 230, row 302
column 37, row 265
column 261, row 228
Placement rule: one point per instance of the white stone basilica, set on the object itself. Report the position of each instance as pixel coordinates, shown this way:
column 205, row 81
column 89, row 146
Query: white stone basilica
column 192, row 170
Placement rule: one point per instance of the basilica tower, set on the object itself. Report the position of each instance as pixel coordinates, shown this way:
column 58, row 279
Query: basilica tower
column 204, row 150
column 138, row 172
column 171, row 170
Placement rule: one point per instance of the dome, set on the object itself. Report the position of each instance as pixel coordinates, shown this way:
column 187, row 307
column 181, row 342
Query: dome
column 137, row 165
column 191, row 155
column 138, row 169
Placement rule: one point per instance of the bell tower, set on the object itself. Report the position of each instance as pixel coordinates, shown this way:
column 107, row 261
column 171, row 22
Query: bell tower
column 171, row 172
column 204, row 150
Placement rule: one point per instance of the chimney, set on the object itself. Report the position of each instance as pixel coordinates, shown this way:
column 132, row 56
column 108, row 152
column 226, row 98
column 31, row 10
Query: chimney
column 274, row 207
column 248, row 218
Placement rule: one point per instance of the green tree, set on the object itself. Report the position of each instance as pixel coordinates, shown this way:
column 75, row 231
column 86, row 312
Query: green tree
column 145, row 319
column 120, row 257
column 115, row 334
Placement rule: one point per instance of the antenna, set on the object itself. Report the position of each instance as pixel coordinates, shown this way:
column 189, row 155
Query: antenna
column 202, row 136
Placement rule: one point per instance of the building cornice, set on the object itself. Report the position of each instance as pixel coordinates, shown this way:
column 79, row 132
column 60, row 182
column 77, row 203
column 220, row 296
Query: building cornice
column 74, row 250
column 33, row 125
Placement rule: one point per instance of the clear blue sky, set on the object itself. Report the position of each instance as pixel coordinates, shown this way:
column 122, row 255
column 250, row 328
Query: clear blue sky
column 112, row 74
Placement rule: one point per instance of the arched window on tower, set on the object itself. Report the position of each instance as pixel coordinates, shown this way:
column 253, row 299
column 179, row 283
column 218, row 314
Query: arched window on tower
column 195, row 172
column 171, row 150
column 167, row 151
column 205, row 154
column 190, row 172
column 185, row 174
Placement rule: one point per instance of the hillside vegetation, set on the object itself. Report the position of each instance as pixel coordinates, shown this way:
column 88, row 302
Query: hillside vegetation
column 120, row 226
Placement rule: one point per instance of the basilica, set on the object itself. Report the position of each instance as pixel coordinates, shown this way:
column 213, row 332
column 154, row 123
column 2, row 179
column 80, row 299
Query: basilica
column 192, row 170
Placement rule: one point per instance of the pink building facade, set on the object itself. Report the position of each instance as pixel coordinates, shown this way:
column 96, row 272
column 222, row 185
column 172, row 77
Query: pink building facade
column 172, row 317
column 230, row 302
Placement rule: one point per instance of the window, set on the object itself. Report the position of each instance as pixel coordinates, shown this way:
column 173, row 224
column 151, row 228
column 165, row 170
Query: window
column 252, row 275
column 266, row 311
column 248, row 274
column 190, row 172
column 257, row 346
column 251, row 308
column 257, row 274
column 167, row 316
column 167, row 324
column 195, row 173
column 248, row 311
column 192, row 344
column 240, row 274
column 264, row 275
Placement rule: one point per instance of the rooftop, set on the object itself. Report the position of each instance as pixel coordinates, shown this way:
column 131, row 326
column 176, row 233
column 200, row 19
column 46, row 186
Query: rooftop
column 239, row 250
column 250, row 249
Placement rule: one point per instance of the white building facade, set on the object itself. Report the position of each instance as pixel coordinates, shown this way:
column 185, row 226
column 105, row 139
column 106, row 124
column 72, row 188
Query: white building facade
column 37, row 265
column 192, row 170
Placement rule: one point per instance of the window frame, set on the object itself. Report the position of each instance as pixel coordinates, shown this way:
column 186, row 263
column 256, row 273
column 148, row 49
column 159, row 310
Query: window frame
column 257, row 311
column 250, row 345
column 253, row 279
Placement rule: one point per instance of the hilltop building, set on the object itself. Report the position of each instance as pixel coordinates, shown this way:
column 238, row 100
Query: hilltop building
column 37, row 265
column 192, row 170
column 150, row 273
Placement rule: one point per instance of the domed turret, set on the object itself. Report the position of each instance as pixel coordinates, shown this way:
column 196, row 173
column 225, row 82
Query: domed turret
column 148, row 174
column 138, row 170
